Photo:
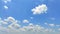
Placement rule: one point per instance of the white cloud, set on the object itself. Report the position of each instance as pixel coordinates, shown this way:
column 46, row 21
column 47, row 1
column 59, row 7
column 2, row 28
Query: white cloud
column 30, row 24
column 5, row 7
column 40, row 9
column 52, row 25
column 11, row 19
column 14, row 23
column 15, row 28
column 25, row 21
column 3, row 22
column 6, row 1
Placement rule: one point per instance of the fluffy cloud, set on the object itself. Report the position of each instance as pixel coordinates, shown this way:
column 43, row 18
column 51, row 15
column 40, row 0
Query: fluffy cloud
column 40, row 9
column 14, row 23
column 15, row 28
column 25, row 21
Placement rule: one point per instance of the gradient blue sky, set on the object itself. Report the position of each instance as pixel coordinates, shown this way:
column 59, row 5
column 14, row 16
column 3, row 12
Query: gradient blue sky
column 21, row 9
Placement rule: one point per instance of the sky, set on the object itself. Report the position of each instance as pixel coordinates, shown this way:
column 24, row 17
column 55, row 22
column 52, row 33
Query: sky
column 30, row 16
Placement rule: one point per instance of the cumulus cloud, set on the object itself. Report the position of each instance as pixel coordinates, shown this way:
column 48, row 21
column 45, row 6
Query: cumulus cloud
column 15, row 28
column 40, row 9
column 25, row 21
column 11, row 19
column 14, row 23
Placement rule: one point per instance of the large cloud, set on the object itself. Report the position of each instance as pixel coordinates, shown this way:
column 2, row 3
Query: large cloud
column 40, row 9
column 15, row 28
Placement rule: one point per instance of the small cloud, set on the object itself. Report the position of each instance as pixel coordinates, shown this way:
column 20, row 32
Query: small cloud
column 6, row 1
column 32, row 17
column 46, row 23
column 52, row 18
column 52, row 25
column 30, row 24
column 25, row 21
column 40, row 9
column 5, row 7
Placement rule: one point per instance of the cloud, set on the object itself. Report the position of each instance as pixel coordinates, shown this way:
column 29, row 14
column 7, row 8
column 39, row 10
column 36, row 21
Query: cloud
column 31, row 17
column 6, row 1
column 52, row 18
column 11, row 19
column 46, row 23
column 14, row 23
column 52, row 25
column 5, row 7
column 40, row 9
column 31, row 24
column 25, row 21
column 15, row 28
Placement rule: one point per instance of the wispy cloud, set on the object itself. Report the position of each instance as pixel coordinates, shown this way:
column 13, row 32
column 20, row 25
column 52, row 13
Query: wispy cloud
column 40, row 9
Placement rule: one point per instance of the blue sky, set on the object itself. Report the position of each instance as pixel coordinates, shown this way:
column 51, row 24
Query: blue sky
column 22, row 10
